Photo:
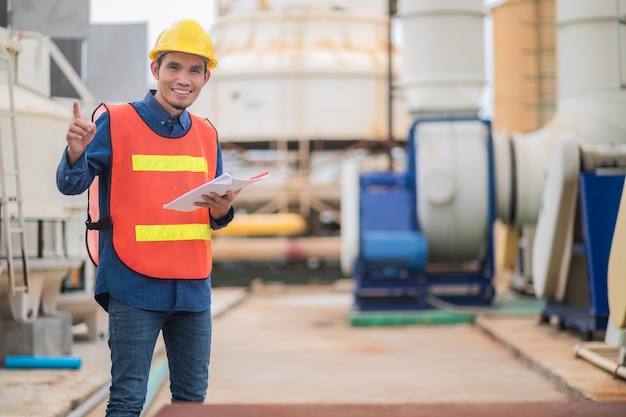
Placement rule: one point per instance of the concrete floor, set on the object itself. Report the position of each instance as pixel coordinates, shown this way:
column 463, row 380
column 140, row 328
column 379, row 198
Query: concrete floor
column 294, row 344
column 289, row 345
column 297, row 348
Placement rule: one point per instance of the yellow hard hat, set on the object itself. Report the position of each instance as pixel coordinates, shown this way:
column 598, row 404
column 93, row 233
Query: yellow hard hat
column 187, row 36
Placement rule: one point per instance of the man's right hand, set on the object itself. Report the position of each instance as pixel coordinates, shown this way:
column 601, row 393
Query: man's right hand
column 79, row 134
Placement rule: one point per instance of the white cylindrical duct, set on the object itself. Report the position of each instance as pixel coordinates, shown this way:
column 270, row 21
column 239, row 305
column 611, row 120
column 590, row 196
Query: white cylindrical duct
column 531, row 153
column 591, row 101
column 452, row 171
column 588, row 29
column 302, row 70
column 350, row 214
column 443, row 58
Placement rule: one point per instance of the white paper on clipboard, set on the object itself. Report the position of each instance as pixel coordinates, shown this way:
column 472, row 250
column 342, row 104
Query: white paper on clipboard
column 220, row 185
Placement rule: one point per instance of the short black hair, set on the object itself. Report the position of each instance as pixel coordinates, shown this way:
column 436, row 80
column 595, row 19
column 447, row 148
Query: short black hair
column 162, row 54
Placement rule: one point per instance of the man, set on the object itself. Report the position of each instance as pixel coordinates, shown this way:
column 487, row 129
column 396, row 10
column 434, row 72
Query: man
column 154, row 264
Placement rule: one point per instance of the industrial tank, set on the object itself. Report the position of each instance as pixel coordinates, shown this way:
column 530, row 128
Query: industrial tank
column 40, row 126
column 292, row 70
column 32, row 135
column 524, row 64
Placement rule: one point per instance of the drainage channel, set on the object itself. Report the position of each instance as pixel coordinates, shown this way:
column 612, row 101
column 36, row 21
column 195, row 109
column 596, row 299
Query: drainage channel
column 97, row 401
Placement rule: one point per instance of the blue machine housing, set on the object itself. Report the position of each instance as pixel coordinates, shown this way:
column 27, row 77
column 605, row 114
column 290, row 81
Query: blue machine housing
column 596, row 215
column 389, row 274
column 392, row 271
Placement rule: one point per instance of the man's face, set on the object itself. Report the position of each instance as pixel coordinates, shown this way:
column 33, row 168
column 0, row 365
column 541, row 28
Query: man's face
column 180, row 78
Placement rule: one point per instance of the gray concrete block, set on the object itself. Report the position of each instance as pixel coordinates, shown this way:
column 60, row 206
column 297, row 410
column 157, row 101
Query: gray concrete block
column 43, row 336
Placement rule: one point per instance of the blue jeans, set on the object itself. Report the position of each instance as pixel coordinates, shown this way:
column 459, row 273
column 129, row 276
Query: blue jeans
column 132, row 337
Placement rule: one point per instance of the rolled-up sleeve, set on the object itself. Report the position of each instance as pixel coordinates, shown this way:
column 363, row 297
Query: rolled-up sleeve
column 217, row 224
column 70, row 180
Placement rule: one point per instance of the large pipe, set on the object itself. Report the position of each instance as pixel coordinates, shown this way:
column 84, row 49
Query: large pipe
column 601, row 361
column 591, row 104
column 230, row 249
column 274, row 224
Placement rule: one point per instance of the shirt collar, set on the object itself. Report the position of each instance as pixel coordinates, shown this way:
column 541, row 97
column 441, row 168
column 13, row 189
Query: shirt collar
column 162, row 115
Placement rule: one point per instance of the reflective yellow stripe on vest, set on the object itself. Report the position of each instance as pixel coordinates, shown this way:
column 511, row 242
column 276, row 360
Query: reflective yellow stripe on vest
column 169, row 163
column 167, row 232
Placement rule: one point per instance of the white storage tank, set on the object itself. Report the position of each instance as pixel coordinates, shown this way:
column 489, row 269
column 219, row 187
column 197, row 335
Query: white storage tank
column 40, row 126
column 302, row 70
column 32, row 139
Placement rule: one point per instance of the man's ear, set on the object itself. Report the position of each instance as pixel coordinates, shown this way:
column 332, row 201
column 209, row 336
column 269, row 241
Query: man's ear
column 154, row 68
column 207, row 75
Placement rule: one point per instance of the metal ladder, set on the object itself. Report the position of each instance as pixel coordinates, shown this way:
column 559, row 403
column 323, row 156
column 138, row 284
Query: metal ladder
column 13, row 224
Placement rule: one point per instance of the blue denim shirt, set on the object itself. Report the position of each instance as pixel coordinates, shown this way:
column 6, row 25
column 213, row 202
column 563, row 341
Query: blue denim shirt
column 113, row 278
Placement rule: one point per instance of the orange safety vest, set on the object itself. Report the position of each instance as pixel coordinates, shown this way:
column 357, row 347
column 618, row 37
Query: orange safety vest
column 148, row 171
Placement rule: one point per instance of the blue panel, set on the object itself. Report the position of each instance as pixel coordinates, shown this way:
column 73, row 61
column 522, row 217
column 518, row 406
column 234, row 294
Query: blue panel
column 407, row 247
column 600, row 197
column 386, row 203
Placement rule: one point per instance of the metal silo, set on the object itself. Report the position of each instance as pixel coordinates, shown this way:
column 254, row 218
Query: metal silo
column 291, row 70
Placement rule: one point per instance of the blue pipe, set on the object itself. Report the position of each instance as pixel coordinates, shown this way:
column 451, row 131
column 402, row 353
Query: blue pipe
column 158, row 375
column 44, row 362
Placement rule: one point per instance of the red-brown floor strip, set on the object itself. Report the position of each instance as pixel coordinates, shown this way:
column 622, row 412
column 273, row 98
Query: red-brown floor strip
column 543, row 409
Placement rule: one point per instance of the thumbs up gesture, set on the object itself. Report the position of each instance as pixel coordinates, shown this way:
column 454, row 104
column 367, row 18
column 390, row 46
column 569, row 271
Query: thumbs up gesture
column 79, row 134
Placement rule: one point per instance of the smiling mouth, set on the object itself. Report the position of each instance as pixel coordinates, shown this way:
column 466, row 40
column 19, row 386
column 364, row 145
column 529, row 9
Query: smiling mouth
column 181, row 92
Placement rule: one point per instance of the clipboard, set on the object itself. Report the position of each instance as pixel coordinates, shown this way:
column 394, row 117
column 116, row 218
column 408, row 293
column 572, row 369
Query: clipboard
column 220, row 185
